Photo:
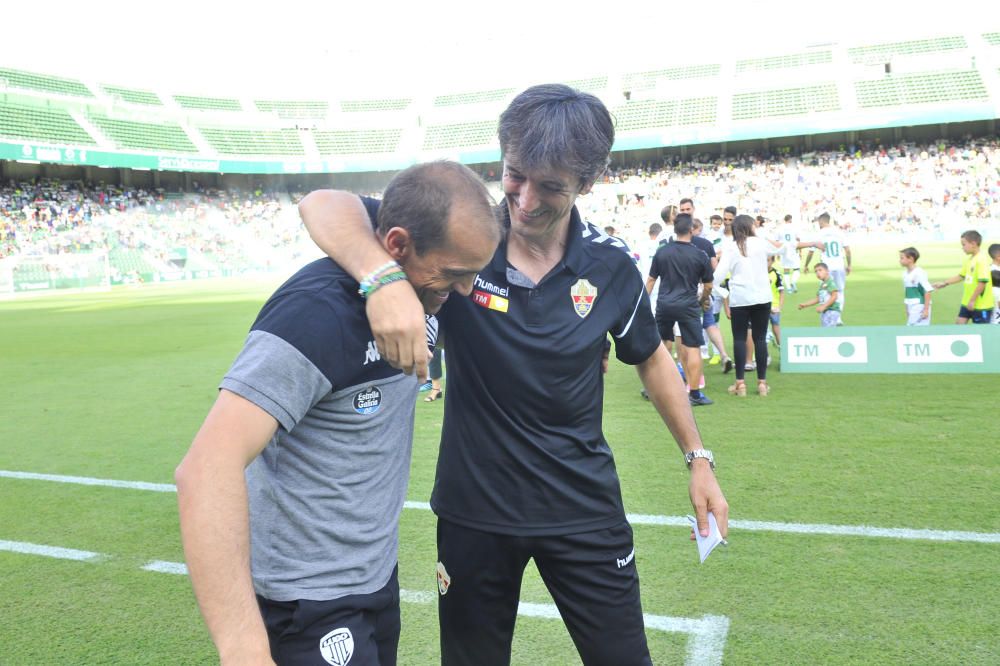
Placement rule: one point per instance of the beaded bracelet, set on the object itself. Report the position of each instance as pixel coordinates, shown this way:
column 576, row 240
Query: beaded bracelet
column 371, row 279
column 381, row 281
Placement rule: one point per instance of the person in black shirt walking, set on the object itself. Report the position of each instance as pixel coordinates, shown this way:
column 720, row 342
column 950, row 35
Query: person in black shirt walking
column 682, row 268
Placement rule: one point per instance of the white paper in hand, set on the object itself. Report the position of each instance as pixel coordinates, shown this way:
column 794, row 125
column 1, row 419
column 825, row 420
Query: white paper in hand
column 708, row 543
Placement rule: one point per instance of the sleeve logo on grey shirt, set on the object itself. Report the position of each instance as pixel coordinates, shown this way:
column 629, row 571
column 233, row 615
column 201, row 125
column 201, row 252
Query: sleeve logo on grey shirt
column 368, row 400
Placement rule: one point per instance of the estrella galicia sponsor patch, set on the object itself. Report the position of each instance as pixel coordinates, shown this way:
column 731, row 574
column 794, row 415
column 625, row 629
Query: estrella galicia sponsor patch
column 367, row 401
column 444, row 580
column 337, row 647
column 584, row 294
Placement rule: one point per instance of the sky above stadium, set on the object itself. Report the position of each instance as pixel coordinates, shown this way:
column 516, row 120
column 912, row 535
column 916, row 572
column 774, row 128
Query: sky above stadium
column 390, row 46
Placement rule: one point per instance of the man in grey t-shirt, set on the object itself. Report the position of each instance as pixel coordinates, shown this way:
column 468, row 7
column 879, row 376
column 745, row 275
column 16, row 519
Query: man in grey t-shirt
column 291, row 492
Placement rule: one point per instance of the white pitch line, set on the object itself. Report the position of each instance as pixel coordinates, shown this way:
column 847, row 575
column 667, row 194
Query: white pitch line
column 707, row 635
column 904, row 533
column 48, row 551
column 159, row 566
column 89, row 481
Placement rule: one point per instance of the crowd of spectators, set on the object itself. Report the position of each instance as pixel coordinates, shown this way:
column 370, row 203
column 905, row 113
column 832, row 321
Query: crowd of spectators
column 868, row 189
column 50, row 216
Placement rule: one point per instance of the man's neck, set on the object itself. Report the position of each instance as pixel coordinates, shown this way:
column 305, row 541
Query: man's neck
column 535, row 256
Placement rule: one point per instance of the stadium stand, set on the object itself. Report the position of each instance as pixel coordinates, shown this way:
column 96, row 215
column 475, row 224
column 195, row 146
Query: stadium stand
column 370, row 105
column 647, row 80
column 645, row 114
column 871, row 190
column 208, row 103
column 293, row 109
column 477, row 97
column 230, row 141
column 865, row 55
column 921, row 88
column 36, row 122
column 356, row 142
column 785, row 102
column 133, row 135
column 992, row 38
column 459, row 135
column 131, row 96
column 784, row 61
column 14, row 78
column 592, row 85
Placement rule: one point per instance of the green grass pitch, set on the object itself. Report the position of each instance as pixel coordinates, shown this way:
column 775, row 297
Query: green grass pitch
column 114, row 385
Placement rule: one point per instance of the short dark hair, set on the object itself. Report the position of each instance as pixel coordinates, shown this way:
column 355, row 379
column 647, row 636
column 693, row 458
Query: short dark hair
column 655, row 228
column 715, row 217
column 696, row 224
column 553, row 126
column 682, row 225
column 610, row 230
column 823, row 264
column 419, row 199
column 910, row 252
column 686, row 200
column 994, row 250
column 824, row 218
column 973, row 236
column 730, row 209
column 788, row 218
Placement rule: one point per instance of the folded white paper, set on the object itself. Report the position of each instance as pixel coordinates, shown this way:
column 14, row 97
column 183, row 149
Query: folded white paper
column 708, row 543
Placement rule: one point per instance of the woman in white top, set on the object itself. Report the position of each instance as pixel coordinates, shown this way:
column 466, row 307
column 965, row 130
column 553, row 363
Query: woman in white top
column 745, row 264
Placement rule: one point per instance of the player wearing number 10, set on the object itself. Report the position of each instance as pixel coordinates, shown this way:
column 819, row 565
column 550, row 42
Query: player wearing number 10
column 835, row 254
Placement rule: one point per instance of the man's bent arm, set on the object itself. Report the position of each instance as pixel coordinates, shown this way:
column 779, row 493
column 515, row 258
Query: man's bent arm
column 215, row 525
column 339, row 224
column 667, row 393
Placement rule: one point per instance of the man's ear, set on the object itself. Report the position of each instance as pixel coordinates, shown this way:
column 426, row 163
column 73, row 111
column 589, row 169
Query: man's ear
column 398, row 243
column 585, row 188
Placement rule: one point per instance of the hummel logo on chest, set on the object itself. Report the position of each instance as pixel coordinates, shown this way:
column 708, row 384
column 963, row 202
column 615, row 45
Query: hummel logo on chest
column 371, row 354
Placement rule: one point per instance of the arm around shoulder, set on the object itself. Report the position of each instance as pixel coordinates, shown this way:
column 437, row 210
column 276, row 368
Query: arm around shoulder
column 338, row 222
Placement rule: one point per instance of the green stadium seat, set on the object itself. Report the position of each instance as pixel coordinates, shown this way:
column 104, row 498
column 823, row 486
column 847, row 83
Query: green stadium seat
column 477, row 97
column 921, row 88
column 652, row 113
column 805, row 59
column 592, row 85
column 356, row 142
column 368, row 105
column 291, row 109
column 863, row 55
column 648, row 80
column 165, row 135
column 127, row 261
column 229, row 141
column 785, row 102
column 460, row 135
column 15, row 78
column 41, row 123
column 208, row 103
column 133, row 96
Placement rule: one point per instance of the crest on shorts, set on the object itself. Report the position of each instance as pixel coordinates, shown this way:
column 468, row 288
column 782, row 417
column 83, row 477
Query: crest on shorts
column 337, row 647
column 584, row 294
column 444, row 580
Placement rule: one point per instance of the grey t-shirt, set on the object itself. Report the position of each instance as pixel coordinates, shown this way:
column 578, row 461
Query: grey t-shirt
column 327, row 491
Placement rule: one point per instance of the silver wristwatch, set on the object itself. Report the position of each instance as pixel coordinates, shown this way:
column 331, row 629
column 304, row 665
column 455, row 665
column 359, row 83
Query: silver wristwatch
column 699, row 453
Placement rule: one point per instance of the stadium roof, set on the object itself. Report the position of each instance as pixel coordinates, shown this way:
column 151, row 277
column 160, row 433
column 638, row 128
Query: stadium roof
column 403, row 47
